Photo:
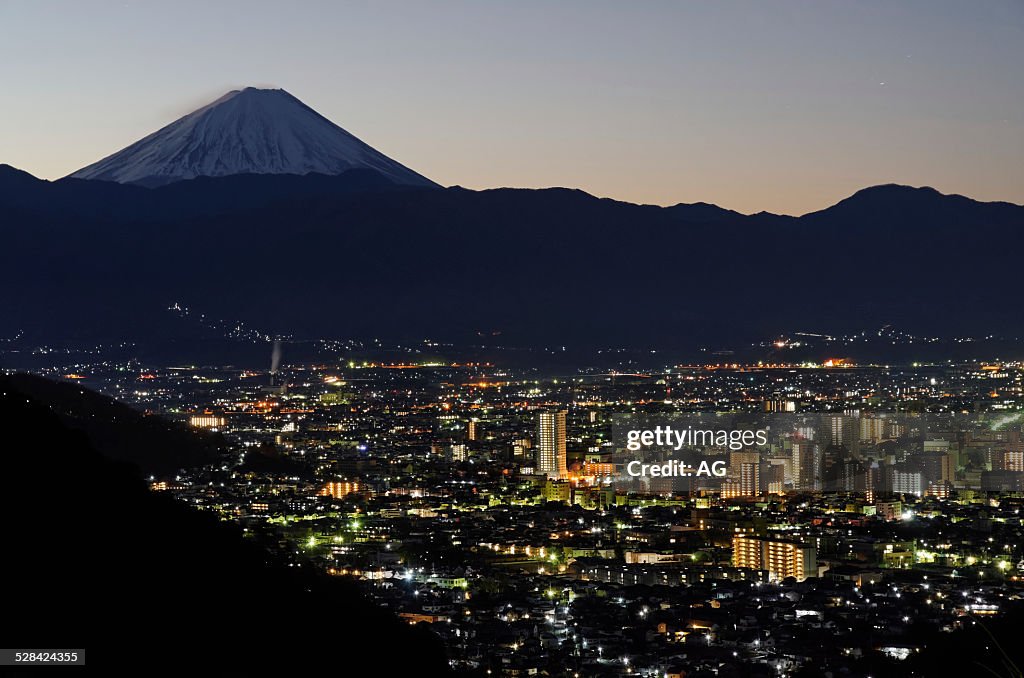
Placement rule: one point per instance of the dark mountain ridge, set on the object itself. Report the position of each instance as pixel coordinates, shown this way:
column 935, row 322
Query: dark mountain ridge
column 356, row 256
column 84, row 199
column 911, row 207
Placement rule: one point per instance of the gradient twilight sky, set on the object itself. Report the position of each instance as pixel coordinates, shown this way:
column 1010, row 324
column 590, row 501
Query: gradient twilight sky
column 756, row 105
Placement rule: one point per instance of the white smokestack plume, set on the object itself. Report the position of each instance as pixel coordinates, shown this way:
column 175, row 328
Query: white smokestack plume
column 275, row 360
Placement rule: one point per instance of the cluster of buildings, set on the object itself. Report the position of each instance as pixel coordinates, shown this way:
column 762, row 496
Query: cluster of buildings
column 492, row 505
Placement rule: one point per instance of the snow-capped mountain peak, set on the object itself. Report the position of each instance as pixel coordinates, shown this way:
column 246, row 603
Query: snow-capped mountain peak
column 248, row 131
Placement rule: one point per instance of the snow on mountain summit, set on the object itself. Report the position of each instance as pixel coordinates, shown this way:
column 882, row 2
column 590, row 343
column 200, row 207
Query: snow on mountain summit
column 249, row 131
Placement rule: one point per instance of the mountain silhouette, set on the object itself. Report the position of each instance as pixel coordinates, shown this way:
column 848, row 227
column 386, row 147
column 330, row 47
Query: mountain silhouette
column 356, row 255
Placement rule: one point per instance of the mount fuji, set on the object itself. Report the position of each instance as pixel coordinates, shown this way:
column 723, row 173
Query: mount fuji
column 248, row 131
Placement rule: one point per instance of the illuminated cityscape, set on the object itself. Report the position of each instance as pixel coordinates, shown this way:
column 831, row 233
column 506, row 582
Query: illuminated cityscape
column 490, row 505
column 513, row 339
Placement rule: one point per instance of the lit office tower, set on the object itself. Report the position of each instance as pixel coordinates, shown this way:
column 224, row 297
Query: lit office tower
column 807, row 466
column 934, row 466
column 750, row 479
column 780, row 557
column 551, row 444
column 745, row 467
column 844, row 433
column 872, row 429
column 473, row 429
column 872, row 481
column 851, row 476
column 775, row 478
column 835, row 425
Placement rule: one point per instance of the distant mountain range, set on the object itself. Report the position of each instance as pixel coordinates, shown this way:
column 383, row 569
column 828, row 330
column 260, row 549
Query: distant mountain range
column 360, row 248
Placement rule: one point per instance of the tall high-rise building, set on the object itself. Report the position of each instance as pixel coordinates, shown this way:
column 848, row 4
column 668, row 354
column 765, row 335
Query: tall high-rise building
column 745, row 469
column 873, row 481
column 473, row 429
column 852, row 477
column 551, row 452
column 872, row 429
column 935, row 466
column 844, row 432
column 750, row 479
column 780, row 557
column 775, row 478
column 807, row 466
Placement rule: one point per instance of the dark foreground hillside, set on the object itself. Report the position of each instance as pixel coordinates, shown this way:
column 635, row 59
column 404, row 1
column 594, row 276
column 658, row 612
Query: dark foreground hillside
column 93, row 559
column 153, row 444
